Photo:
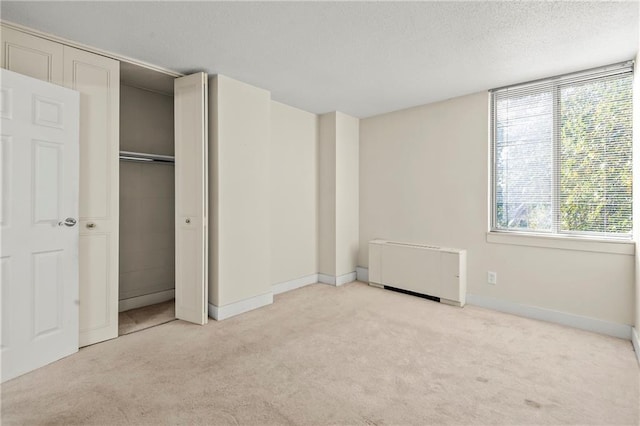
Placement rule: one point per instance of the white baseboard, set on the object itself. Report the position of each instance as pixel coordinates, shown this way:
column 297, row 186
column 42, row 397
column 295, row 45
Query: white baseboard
column 222, row 312
column 232, row 309
column 609, row 328
column 346, row 278
column 585, row 323
column 636, row 342
column 145, row 300
column 294, row 284
column 326, row 279
column 362, row 274
column 337, row 281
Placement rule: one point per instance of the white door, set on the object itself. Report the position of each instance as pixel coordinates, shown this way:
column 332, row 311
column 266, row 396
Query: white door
column 190, row 103
column 39, row 213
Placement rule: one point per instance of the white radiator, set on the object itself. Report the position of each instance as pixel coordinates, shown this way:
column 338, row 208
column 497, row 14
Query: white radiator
column 434, row 271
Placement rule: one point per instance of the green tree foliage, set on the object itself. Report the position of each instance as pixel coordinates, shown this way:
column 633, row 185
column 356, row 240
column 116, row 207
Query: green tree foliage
column 595, row 158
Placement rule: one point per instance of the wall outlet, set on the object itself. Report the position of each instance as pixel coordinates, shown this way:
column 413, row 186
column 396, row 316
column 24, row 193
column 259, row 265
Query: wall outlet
column 492, row 277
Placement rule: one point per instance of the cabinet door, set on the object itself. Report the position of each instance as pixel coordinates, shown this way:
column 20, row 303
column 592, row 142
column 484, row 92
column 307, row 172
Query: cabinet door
column 449, row 276
column 31, row 56
column 190, row 103
column 97, row 78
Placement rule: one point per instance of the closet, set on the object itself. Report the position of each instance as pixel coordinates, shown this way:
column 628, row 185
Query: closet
column 147, row 199
column 156, row 207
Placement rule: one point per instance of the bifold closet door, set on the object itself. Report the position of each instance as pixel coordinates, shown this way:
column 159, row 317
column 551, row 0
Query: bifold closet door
column 97, row 78
column 191, row 197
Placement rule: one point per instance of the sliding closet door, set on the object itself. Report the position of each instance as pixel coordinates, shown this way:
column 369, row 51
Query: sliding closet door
column 97, row 78
column 191, row 197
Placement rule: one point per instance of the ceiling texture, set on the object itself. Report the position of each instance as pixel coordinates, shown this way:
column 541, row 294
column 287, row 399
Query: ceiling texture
column 361, row 58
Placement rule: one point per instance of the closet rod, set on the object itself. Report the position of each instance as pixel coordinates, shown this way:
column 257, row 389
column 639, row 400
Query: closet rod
column 146, row 158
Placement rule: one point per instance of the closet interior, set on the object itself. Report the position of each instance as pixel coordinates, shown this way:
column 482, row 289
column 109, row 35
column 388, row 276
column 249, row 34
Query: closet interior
column 147, row 199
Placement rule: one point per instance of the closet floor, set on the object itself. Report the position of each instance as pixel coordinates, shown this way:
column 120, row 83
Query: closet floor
column 145, row 317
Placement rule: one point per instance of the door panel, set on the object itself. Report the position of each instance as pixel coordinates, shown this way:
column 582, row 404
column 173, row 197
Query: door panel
column 95, row 313
column 39, row 254
column 97, row 78
column 191, row 197
column 6, row 142
column 31, row 56
column 48, row 291
column 6, row 309
column 46, row 173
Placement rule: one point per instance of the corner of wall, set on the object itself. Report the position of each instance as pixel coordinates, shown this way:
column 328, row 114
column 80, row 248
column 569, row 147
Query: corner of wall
column 213, row 212
column 326, row 193
column 338, row 194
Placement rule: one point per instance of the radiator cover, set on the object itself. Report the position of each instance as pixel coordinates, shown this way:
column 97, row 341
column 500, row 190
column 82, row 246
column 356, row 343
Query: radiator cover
column 430, row 270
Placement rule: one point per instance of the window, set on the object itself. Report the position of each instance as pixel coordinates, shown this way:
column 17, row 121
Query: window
column 561, row 155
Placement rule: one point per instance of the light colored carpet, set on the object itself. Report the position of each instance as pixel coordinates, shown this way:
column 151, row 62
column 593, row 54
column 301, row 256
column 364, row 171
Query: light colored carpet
column 346, row 355
column 145, row 317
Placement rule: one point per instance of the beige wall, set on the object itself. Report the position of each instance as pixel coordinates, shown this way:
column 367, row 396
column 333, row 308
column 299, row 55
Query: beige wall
column 327, row 194
column 240, row 190
column 146, row 121
column 147, row 241
column 294, row 193
column 424, row 178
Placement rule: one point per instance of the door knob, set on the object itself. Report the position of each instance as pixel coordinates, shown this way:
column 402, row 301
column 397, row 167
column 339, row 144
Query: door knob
column 68, row 222
column 91, row 225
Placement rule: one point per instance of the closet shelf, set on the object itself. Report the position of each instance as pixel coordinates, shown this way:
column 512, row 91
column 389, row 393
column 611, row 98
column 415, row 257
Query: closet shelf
column 146, row 158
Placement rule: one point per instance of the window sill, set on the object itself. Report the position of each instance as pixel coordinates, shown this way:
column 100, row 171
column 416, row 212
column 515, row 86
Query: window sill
column 625, row 247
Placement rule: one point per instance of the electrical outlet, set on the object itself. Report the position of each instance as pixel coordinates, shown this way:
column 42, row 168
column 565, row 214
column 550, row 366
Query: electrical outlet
column 492, row 278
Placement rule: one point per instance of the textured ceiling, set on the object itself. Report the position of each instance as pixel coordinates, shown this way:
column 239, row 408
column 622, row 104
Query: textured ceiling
column 362, row 58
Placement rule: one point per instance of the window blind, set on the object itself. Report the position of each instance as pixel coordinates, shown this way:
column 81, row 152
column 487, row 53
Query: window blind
column 561, row 151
